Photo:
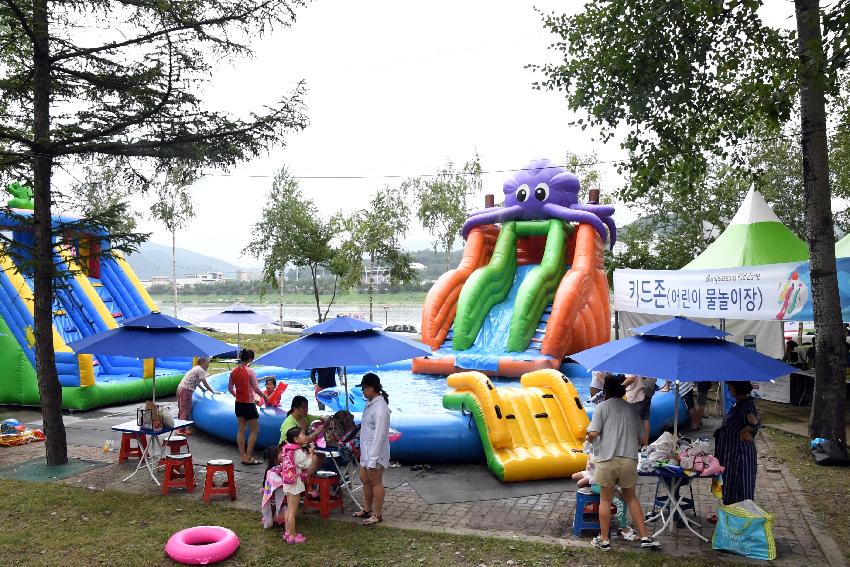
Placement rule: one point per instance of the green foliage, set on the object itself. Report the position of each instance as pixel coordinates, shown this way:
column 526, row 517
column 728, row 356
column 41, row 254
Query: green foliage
column 443, row 200
column 374, row 234
column 107, row 183
column 291, row 232
column 688, row 78
column 674, row 229
column 173, row 204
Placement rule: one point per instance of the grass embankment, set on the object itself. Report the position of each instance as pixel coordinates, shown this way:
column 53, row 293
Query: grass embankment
column 260, row 344
column 57, row 525
column 398, row 298
column 827, row 489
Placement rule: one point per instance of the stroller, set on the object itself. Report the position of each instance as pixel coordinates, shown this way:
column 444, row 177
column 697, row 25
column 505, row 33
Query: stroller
column 342, row 448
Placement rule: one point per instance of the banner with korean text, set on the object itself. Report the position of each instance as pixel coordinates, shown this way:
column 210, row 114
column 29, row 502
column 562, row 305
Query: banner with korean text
column 778, row 292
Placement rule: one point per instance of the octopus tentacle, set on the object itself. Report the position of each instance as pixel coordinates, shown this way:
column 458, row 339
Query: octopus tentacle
column 575, row 215
column 598, row 210
column 604, row 212
column 490, row 216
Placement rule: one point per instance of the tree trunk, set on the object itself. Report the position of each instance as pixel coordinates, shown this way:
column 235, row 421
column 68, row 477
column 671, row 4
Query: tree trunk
column 174, row 268
column 280, row 287
column 371, row 286
column 49, row 389
column 314, row 273
column 827, row 417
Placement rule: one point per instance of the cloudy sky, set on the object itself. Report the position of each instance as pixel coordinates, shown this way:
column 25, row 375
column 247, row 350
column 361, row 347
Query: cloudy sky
column 395, row 89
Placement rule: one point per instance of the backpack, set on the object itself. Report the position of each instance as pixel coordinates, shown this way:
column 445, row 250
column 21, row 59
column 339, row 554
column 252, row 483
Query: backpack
column 288, row 469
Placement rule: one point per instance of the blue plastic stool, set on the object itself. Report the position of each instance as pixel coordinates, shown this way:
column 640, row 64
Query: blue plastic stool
column 585, row 520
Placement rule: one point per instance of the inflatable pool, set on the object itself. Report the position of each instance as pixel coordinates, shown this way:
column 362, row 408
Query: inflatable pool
column 430, row 432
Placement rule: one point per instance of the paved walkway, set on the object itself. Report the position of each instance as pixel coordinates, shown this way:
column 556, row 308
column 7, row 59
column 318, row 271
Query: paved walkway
column 458, row 497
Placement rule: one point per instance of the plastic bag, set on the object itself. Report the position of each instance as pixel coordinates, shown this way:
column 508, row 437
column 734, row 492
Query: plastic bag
column 745, row 529
column 828, row 453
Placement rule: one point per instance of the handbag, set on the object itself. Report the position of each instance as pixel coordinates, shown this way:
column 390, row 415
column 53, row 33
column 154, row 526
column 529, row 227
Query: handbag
column 745, row 529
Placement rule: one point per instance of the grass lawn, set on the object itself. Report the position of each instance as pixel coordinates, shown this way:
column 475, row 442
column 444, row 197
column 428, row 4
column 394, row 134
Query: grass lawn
column 272, row 298
column 57, row 525
column 827, row 489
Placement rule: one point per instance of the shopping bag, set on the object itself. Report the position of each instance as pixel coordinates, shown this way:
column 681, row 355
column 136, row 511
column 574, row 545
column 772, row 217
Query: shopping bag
column 717, row 487
column 745, row 529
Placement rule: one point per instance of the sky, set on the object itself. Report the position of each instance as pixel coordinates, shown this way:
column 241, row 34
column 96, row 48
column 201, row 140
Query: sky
column 395, row 89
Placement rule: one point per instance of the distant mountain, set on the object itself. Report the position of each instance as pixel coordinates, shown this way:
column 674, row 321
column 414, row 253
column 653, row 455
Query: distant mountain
column 155, row 260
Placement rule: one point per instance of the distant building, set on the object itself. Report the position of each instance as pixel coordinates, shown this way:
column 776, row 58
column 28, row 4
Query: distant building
column 379, row 275
column 243, row 276
column 188, row 279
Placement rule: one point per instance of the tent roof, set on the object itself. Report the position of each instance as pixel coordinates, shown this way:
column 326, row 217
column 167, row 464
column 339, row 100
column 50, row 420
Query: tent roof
column 755, row 236
column 842, row 247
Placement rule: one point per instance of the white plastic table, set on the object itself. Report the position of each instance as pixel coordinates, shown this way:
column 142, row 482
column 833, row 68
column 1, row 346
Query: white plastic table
column 147, row 459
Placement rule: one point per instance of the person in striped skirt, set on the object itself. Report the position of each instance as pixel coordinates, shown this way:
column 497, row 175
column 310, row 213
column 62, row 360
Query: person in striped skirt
column 734, row 446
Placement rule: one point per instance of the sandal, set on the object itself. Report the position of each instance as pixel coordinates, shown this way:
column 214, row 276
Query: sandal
column 252, row 462
column 372, row 520
column 362, row 514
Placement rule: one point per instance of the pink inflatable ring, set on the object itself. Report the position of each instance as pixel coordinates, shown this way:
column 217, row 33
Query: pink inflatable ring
column 202, row 545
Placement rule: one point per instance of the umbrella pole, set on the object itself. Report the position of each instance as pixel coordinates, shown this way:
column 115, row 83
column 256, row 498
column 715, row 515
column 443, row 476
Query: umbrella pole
column 154, row 381
column 676, row 412
column 237, row 342
column 345, row 381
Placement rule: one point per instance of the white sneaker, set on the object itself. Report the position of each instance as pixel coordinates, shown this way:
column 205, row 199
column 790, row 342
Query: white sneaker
column 599, row 544
column 629, row 534
column 649, row 542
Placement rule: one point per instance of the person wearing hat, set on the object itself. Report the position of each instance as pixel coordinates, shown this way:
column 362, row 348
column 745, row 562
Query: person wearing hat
column 374, row 448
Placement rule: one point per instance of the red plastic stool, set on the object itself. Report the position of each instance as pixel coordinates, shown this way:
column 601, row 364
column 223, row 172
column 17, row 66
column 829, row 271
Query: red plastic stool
column 229, row 486
column 174, row 444
column 127, row 450
column 178, row 473
column 177, row 442
column 322, row 482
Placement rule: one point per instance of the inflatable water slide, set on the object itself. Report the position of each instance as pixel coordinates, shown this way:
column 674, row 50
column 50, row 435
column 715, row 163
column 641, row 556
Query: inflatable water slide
column 530, row 289
column 528, row 433
column 100, row 293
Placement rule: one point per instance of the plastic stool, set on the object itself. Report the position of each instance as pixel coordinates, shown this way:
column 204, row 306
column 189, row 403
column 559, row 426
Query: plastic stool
column 177, row 442
column 229, row 486
column 174, row 444
column 587, row 512
column 178, row 473
column 127, row 450
column 322, row 482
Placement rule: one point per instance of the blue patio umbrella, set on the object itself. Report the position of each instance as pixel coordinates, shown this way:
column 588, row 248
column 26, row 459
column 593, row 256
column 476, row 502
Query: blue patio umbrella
column 151, row 336
column 238, row 313
column 333, row 345
column 682, row 350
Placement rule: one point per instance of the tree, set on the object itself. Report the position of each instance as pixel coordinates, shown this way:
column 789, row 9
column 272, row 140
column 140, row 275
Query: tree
column 173, row 208
column 690, row 79
column 374, row 233
column 443, row 201
column 291, row 232
column 120, row 79
column 106, row 184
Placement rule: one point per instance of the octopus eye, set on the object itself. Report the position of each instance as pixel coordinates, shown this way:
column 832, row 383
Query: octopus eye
column 522, row 193
column 541, row 192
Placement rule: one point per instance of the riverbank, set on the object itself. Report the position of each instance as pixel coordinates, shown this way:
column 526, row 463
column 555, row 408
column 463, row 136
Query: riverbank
column 297, row 299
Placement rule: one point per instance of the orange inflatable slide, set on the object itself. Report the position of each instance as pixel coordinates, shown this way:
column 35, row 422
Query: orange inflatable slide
column 506, row 280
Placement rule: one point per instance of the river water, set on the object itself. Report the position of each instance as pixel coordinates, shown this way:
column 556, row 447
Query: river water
column 393, row 314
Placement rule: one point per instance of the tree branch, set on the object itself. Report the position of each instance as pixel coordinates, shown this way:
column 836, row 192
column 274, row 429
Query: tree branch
column 197, row 25
column 134, row 120
column 22, row 19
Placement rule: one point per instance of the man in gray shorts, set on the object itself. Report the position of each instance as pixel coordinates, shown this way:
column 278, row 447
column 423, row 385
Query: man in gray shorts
column 615, row 431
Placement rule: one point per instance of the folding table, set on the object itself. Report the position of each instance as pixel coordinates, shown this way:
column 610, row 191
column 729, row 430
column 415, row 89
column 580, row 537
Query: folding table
column 670, row 480
column 147, row 459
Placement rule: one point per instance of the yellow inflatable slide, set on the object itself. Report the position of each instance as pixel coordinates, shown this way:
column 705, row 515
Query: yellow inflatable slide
column 532, row 432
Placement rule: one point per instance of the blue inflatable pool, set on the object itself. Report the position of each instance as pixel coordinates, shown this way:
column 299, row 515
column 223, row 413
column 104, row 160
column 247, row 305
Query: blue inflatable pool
column 429, row 432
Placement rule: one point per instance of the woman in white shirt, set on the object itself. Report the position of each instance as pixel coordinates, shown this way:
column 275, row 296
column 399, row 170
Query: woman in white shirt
column 374, row 448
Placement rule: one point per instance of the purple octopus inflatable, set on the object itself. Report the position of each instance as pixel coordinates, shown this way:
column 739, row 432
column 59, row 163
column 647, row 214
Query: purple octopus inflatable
column 545, row 190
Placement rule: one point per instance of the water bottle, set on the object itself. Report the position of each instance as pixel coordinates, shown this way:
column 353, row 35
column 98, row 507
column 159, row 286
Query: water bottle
column 107, row 446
